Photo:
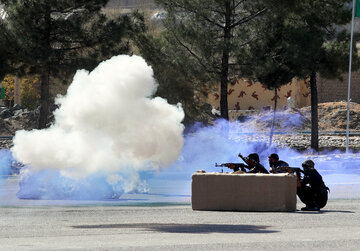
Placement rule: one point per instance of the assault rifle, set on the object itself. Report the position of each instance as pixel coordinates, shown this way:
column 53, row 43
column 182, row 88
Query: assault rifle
column 288, row 169
column 243, row 158
column 233, row 166
column 247, row 160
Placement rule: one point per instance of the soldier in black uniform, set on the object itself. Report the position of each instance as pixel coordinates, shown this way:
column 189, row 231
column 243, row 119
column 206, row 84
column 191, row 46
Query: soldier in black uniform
column 276, row 164
column 311, row 188
column 252, row 164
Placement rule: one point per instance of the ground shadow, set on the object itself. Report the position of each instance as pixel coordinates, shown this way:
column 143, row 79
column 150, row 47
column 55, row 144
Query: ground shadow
column 325, row 212
column 186, row 228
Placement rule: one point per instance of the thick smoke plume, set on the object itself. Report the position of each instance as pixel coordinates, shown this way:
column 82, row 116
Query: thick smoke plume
column 210, row 145
column 112, row 137
column 108, row 123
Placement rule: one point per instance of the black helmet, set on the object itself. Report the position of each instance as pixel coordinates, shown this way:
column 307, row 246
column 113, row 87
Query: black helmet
column 254, row 157
column 274, row 156
column 308, row 163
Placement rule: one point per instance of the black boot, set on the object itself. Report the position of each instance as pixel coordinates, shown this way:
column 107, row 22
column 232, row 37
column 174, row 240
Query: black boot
column 310, row 208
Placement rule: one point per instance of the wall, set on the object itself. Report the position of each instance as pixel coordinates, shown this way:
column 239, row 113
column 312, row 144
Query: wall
column 336, row 90
column 247, row 95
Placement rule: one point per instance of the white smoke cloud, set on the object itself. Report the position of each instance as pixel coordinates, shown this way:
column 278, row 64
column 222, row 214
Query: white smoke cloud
column 109, row 122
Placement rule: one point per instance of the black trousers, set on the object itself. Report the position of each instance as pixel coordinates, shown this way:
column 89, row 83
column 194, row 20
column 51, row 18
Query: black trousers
column 311, row 197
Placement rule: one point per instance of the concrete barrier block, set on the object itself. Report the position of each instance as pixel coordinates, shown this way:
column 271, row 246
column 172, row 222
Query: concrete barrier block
column 243, row 192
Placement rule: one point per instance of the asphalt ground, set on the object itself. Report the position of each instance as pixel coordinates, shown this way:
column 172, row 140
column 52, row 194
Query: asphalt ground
column 158, row 222
column 177, row 227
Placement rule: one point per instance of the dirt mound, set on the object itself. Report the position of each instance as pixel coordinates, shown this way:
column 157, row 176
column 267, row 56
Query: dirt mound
column 333, row 116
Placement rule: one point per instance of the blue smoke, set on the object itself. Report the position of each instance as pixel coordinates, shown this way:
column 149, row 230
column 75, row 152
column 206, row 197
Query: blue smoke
column 203, row 147
column 221, row 143
column 8, row 165
column 51, row 185
column 285, row 120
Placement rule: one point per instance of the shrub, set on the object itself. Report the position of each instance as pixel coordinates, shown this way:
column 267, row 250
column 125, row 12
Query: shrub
column 30, row 94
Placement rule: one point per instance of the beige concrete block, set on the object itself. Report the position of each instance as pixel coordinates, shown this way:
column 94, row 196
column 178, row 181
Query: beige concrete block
column 243, row 192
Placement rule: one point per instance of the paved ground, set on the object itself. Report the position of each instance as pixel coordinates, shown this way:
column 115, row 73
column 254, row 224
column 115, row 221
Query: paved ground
column 177, row 227
column 155, row 222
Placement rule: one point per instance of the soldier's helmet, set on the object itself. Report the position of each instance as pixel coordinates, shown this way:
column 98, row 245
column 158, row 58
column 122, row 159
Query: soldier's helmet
column 274, row 156
column 308, row 164
column 254, row 157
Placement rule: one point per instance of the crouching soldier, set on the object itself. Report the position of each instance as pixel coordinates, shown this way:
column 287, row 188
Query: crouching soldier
column 311, row 188
column 252, row 164
column 276, row 165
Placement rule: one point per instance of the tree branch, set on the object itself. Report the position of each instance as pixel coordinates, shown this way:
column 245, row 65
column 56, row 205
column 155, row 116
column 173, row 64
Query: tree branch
column 201, row 15
column 193, row 54
column 237, row 5
column 248, row 18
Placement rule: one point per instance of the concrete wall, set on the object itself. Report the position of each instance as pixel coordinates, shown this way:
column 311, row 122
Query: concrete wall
column 243, row 192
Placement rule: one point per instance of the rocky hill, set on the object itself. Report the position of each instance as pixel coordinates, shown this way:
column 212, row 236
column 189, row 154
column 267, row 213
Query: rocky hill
column 17, row 118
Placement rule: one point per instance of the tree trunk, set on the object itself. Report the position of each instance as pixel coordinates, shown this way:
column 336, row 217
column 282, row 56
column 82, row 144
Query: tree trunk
column 314, row 113
column 273, row 120
column 45, row 74
column 225, row 64
column 44, row 99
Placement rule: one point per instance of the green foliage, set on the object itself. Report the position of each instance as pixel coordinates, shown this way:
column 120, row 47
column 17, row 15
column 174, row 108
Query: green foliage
column 198, row 45
column 8, row 83
column 197, row 29
column 212, row 42
column 6, row 50
column 296, row 38
column 29, row 93
column 64, row 34
column 318, row 40
column 54, row 38
column 336, row 60
column 270, row 57
column 320, row 49
column 176, row 80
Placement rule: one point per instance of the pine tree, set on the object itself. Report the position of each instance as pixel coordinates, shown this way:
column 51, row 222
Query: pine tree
column 320, row 47
column 204, row 36
column 272, row 61
column 300, row 39
column 59, row 36
column 5, row 50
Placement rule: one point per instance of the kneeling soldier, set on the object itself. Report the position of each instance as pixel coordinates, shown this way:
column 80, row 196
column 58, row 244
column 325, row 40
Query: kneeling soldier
column 311, row 188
